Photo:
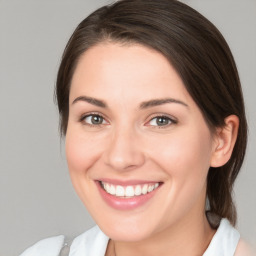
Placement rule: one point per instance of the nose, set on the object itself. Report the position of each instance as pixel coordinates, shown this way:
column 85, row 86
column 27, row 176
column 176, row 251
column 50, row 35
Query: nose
column 124, row 152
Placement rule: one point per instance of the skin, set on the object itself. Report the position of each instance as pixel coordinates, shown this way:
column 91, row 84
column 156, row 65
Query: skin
column 130, row 144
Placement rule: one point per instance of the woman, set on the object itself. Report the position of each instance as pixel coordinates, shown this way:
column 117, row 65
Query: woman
column 152, row 110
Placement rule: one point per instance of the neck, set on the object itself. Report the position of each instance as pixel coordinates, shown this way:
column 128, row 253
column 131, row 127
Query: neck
column 190, row 236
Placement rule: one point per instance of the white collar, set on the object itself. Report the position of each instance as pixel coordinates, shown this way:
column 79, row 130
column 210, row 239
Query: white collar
column 94, row 242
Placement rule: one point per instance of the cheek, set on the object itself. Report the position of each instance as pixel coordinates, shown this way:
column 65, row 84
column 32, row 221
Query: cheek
column 185, row 158
column 183, row 152
column 81, row 151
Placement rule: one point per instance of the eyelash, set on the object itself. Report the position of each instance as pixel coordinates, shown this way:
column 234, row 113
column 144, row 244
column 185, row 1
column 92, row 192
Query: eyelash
column 168, row 118
column 82, row 119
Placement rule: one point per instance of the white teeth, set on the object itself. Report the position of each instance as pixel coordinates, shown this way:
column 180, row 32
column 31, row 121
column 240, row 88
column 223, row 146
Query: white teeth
column 112, row 190
column 119, row 191
column 150, row 188
column 129, row 191
column 137, row 191
column 144, row 189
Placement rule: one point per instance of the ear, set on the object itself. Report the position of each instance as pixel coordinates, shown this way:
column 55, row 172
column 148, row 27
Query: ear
column 225, row 139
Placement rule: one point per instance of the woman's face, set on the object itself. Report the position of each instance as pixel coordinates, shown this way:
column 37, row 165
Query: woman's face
column 137, row 145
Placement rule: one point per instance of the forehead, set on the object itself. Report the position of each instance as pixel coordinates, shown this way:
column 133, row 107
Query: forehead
column 112, row 70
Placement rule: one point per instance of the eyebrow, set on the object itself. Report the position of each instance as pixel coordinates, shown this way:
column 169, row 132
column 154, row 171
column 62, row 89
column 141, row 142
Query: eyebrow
column 93, row 101
column 143, row 105
column 158, row 102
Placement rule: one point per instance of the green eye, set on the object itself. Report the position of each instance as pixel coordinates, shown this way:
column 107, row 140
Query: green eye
column 94, row 120
column 161, row 121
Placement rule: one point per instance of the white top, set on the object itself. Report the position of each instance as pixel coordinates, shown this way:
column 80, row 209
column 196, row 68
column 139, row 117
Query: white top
column 94, row 243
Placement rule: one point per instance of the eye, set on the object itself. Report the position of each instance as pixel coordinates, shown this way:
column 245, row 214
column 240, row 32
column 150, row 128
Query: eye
column 161, row 121
column 93, row 119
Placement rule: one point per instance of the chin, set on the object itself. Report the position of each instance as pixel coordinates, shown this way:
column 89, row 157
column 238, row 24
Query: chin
column 127, row 234
column 127, row 228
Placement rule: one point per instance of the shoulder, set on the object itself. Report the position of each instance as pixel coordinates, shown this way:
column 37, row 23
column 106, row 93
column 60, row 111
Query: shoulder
column 225, row 240
column 244, row 249
column 92, row 242
column 49, row 246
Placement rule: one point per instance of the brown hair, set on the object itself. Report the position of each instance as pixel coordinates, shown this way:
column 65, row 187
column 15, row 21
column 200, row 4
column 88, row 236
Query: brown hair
column 198, row 52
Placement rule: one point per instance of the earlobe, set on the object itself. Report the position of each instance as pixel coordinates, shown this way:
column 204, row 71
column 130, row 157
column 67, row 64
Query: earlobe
column 225, row 140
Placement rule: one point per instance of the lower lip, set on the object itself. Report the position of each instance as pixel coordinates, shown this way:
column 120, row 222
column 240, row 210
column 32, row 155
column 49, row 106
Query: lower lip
column 121, row 203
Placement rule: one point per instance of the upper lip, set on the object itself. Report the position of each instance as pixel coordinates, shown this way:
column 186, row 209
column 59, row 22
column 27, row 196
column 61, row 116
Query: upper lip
column 127, row 182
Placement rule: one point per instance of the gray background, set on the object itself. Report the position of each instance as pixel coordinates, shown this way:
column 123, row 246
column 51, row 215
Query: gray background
column 36, row 196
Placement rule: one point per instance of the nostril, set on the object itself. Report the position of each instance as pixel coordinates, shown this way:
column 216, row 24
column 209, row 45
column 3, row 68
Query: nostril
column 122, row 157
column 123, row 151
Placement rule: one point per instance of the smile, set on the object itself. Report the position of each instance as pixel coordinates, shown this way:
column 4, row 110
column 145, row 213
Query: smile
column 129, row 191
